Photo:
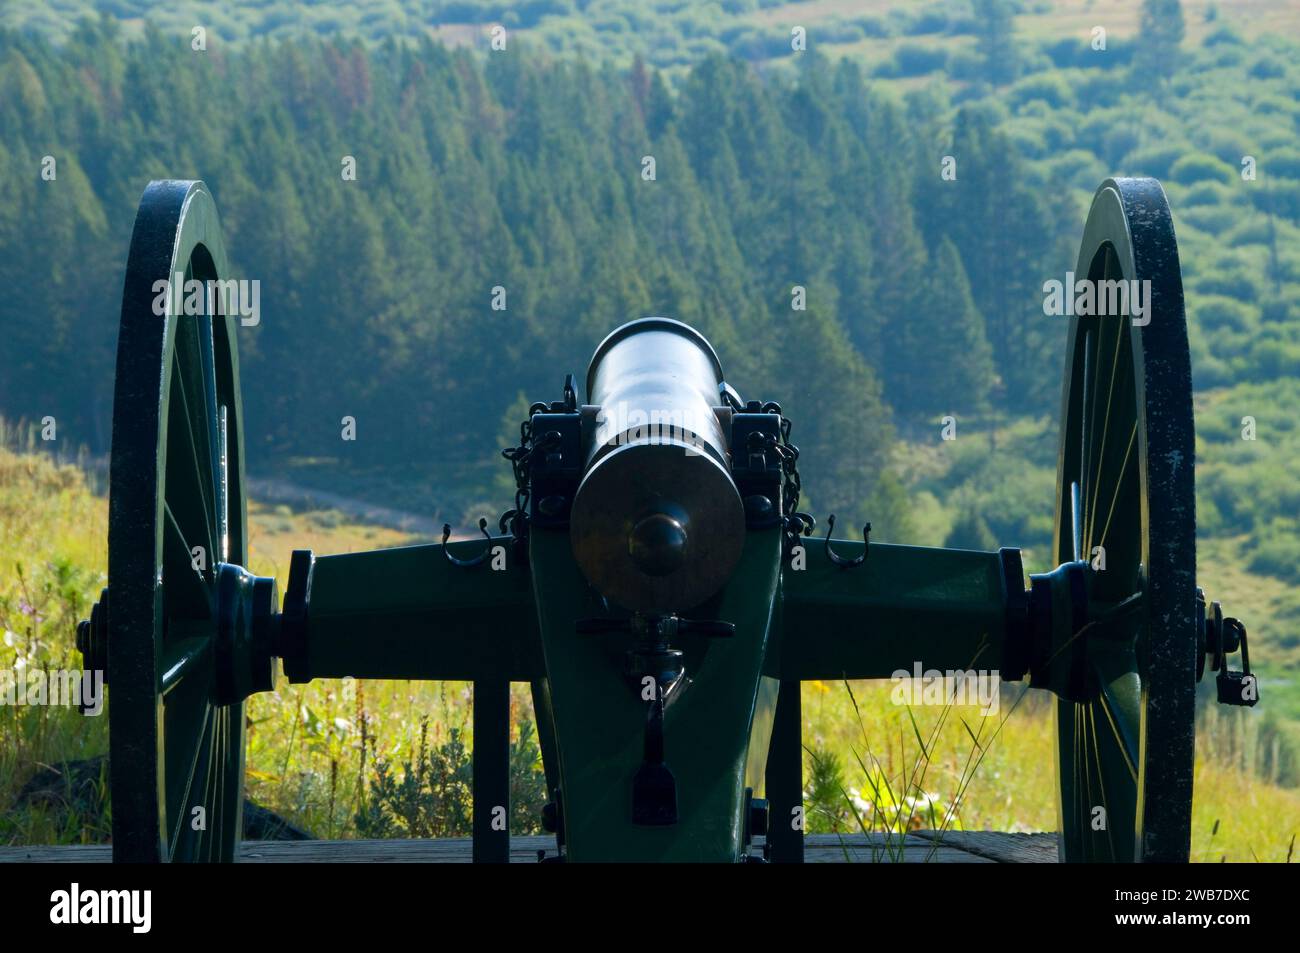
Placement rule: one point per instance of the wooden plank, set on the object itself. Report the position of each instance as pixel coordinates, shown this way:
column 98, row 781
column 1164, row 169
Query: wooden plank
column 956, row 847
column 999, row 846
column 877, row 849
column 449, row 850
column 76, row 854
column 455, row 850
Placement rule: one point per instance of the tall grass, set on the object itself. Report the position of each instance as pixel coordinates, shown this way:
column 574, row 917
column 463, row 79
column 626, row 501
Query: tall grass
column 52, row 550
column 370, row 758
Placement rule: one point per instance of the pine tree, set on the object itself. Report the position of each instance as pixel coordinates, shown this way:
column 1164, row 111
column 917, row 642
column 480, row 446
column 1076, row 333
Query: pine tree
column 1160, row 33
column 945, row 364
column 995, row 40
column 971, row 531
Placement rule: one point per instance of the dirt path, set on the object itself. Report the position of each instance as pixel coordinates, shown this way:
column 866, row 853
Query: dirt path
column 274, row 490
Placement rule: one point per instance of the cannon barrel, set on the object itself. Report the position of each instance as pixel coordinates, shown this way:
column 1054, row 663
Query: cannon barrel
column 657, row 523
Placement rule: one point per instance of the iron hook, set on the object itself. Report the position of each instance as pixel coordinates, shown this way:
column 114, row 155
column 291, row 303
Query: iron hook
column 839, row 560
column 467, row 563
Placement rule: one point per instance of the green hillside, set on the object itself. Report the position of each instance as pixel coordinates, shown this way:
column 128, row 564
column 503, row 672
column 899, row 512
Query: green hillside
column 524, row 169
column 358, row 758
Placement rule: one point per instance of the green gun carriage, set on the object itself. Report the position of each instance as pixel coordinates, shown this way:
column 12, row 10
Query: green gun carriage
column 657, row 586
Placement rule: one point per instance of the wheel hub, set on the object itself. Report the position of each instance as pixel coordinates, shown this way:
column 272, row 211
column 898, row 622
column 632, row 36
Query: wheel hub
column 243, row 637
column 1066, row 622
column 247, row 623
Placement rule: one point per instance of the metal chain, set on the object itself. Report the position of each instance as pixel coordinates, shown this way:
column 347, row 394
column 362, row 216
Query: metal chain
column 521, row 458
column 515, row 521
column 795, row 523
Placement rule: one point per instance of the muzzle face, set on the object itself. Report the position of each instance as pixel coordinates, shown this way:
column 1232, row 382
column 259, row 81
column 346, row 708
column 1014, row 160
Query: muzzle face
column 657, row 524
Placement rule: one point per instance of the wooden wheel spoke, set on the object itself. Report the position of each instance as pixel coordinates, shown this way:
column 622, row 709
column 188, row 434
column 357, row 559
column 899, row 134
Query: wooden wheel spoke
column 185, row 655
column 188, row 744
column 1119, row 730
column 185, row 591
column 1085, row 421
column 186, row 487
column 1080, row 730
column 1119, row 484
column 203, row 839
column 1121, row 610
column 1096, row 467
column 1076, row 520
column 212, row 415
column 1101, row 779
column 220, row 789
column 223, row 483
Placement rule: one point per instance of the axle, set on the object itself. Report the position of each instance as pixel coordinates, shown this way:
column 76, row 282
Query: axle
column 406, row 613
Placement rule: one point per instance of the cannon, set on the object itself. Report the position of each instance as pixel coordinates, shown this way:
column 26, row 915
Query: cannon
column 657, row 586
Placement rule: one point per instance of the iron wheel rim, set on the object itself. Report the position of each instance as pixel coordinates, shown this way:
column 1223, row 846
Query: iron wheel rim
column 1129, row 748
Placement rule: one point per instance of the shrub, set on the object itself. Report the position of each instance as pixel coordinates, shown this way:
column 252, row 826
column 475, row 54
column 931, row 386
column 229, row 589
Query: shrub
column 1279, row 197
column 1117, row 141
column 914, row 59
column 434, row 795
column 1154, row 160
column 1228, row 282
column 971, row 531
column 1266, row 67
column 1078, row 167
column 1223, row 36
column 1214, row 312
column 965, row 65
column 1283, row 165
column 1051, row 88
column 1278, row 311
column 1277, row 551
column 1207, row 193
column 1070, row 51
column 930, row 20
column 842, row 31
column 1214, row 219
column 1273, row 358
column 874, row 27
column 1200, row 167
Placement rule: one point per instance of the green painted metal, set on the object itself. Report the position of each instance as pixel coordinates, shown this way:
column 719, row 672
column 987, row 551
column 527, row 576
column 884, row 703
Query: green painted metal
column 944, row 608
column 491, row 770
column 600, row 717
column 409, row 613
column 784, row 787
column 541, row 691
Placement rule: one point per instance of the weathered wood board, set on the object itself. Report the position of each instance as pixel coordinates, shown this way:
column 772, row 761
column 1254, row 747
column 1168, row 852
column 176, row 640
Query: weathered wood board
column 957, row 847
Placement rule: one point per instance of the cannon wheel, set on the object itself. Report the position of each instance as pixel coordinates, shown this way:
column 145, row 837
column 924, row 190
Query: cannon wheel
column 176, row 483
column 1125, row 483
